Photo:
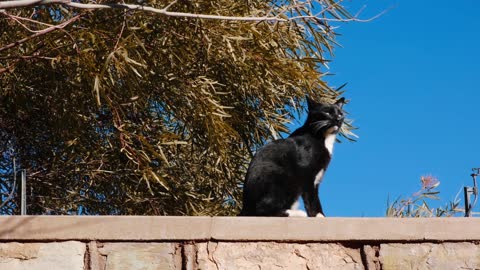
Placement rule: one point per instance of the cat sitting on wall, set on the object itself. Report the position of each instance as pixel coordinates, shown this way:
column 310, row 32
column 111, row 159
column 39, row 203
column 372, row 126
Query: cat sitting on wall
column 284, row 170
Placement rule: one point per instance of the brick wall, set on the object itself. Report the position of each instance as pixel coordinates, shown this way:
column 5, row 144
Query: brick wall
column 101, row 243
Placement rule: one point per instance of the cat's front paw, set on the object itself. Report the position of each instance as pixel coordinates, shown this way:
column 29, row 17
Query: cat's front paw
column 296, row 213
column 320, row 215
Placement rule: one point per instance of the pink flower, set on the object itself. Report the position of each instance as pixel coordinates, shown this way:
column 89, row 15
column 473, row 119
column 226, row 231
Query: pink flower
column 429, row 182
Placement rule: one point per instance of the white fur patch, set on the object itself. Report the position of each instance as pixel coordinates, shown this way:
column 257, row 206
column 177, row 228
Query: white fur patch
column 319, row 215
column 295, row 204
column 296, row 213
column 329, row 141
column 319, row 177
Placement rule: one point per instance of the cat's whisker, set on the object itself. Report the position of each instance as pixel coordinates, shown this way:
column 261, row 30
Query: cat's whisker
column 321, row 123
column 318, row 125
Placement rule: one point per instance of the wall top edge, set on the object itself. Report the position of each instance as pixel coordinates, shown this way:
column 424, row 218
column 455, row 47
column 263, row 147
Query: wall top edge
column 161, row 228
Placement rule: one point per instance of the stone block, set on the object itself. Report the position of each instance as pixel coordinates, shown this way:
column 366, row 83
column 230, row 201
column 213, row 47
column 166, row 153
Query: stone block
column 272, row 255
column 42, row 256
column 430, row 256
column 144, row 256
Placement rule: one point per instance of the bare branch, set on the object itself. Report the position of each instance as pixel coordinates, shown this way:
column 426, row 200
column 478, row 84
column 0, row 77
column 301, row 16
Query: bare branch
column 20, row 3
column 15, row 18
column 40, row 33
column 121, row 31
column 26, row 57
column 171, row 4
column 355, row 18
column 25, row 19
column 163, row 11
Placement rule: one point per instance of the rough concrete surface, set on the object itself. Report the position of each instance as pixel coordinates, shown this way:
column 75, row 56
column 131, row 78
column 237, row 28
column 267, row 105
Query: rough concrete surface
column 105, row 228
column 42, row 256
column 270, row 255
column 154, row 228
column 133, row 242
column 430, row 256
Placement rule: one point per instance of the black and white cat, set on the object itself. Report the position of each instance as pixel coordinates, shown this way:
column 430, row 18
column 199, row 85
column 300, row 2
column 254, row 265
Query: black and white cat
column 284, row 170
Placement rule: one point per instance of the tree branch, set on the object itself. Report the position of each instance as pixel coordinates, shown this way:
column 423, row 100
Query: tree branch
column 163, row 11
column 25, row 19
column 40, row 33
column 166, row 12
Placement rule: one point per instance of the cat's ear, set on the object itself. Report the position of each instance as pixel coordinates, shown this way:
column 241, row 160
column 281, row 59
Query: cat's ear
column 311, row 103
column 340, row 102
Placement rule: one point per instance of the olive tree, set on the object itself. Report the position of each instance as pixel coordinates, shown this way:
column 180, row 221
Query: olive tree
column 154, row 107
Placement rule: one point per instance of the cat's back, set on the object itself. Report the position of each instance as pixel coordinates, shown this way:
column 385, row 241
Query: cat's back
column 276, row 153
column 287, row 149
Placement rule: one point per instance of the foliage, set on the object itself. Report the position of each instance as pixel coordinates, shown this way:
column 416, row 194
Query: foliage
column 127, row 112
column 417, row 204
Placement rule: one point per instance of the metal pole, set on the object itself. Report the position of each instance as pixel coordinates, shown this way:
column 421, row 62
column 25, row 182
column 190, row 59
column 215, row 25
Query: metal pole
column 23, row 200
column 466, row 192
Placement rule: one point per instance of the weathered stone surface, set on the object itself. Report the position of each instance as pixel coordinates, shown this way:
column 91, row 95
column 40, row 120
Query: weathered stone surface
column 372, row 262
column 291, row 229
column 430, row 256
column 19, row 251
column 145, row 256
column 334, row 229
column 40, row 256
column 271, row 255
column 104, row 228
column 189, row 256
column 96, row 261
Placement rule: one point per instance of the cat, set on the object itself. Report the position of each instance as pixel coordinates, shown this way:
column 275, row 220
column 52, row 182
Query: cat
column 284, row 170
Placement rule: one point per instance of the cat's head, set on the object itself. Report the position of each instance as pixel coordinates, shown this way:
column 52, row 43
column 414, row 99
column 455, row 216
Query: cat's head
column 325, row 118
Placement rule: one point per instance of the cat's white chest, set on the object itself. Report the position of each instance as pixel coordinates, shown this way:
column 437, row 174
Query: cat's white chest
column 329, row 141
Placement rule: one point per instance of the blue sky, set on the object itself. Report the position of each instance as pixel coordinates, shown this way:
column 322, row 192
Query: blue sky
column 413, row 82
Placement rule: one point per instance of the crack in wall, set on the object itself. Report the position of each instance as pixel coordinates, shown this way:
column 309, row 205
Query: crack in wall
column 86, row 259
column 370, row 255
column 189, row 256
column 94, row 259
column 211, row 256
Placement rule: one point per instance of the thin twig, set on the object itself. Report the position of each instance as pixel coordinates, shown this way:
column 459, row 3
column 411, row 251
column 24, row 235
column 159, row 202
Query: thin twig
column 26, row 19
column 121, row 31
column 19, row 22
column 353, row 19
column 27, row 57
column 171, row 4
column 43, row 32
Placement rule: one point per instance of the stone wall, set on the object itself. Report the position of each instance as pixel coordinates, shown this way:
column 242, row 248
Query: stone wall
column 105, row 243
